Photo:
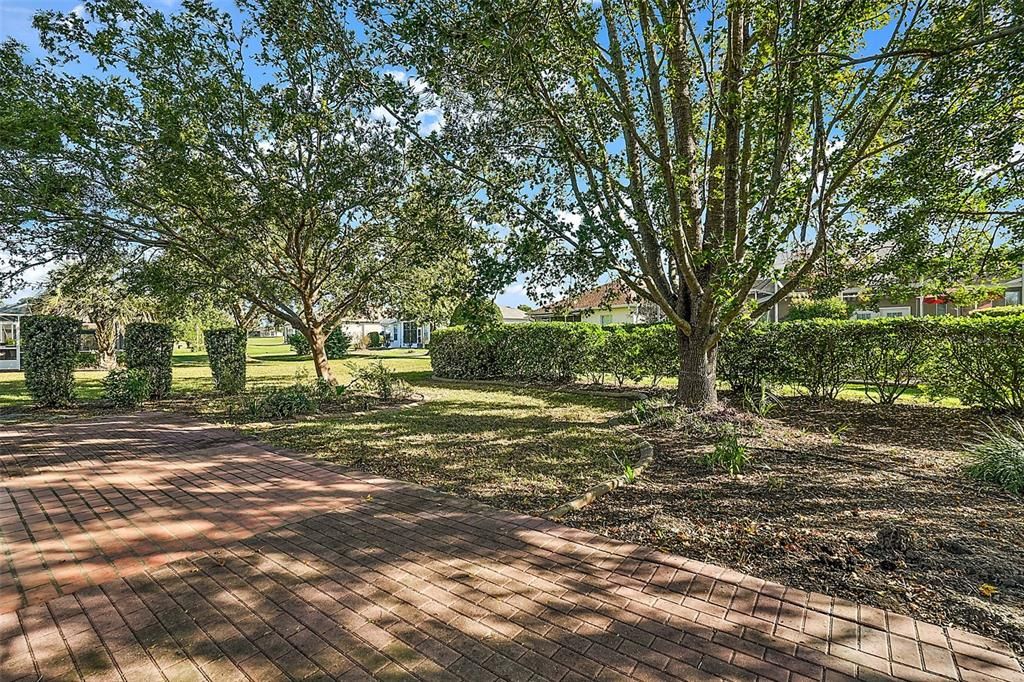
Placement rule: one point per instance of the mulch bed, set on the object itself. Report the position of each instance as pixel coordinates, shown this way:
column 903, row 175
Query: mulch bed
column 851, row 499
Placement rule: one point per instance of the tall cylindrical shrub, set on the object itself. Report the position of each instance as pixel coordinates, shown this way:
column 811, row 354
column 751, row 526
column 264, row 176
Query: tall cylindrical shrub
column 148, row 346
column 49, row 349
column 225, row 349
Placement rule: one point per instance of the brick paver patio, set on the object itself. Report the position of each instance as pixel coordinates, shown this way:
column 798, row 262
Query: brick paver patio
column 150, row 547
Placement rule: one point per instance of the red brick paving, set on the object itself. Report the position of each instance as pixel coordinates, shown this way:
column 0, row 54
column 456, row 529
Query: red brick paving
column 149, row 548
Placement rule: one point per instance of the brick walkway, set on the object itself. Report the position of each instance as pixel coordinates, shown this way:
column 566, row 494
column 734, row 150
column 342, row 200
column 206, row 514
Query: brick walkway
column 149, row 547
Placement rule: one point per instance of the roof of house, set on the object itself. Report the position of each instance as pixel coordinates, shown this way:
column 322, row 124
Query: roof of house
column 512, row 313
column 14, row 309
column 609, row 295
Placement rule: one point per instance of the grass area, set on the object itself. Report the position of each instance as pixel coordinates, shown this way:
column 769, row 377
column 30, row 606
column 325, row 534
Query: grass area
column 524, row 449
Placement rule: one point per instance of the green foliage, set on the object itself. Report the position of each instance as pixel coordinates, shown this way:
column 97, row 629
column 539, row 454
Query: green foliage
column 999, row 458
column 187, row 325
column 375, row 339
column 338, row 343
column 1000, row 311
column 619, row 353
column 379, row 380
column 659, row 356
column 148, row 346
column 302, row 397
column 980, row 361
column 49, row 350
column 225, row 349
column 816, row 355
column 751, row 361
column 478, row 313
column 457, row 353
column 728, row 454
column 126, row 388
column 833, row 308
column 890, row 355
column 549, row 352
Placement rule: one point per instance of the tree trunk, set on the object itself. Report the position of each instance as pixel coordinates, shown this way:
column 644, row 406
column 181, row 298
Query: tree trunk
column 106, row 343
column 697, row 372
column 318, row 347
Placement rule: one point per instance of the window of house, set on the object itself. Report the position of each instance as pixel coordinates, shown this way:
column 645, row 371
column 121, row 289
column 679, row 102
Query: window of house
column 1012, row 297
column 410, row 333
column 606, row 320
column 862, row 314
column 894, row 312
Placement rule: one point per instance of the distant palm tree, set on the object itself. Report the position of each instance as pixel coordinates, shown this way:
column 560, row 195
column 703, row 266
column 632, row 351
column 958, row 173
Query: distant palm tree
column 97, row 294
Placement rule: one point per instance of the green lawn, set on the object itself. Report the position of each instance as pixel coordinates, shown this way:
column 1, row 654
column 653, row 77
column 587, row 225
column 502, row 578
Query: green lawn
column 524, row 449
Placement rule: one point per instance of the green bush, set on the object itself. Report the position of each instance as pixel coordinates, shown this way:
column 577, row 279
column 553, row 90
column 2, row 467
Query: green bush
column 379, row 380
column 980, row 361
column 298, row 398
column 619, row 353
column 338, row 343
column 543, row 351
column 890, row 355
column 751, row 361
column 659, row 354
column 126, row 388
column 833, row 308
column 375, row 340
column 49, row 351
column 816, row 355
column 148, row 346
column 225, row 349
column 548, row 352
column 999, row 458
column 1000, row 311
column 477, row 312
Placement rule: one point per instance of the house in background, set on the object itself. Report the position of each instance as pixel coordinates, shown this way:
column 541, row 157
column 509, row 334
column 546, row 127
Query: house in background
column 10, row 335
column 416, row 334
column 611, row 303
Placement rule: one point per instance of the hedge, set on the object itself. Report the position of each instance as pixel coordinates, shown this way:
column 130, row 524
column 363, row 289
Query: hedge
column 225, row 349
column 148, row 346
column 49, row 351
column 337, row 344
column 979, row 360
column 126, row 388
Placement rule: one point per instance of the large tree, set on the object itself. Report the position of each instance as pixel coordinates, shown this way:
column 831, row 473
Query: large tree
column 96, row 291
column 683, row 146
column 251, row 144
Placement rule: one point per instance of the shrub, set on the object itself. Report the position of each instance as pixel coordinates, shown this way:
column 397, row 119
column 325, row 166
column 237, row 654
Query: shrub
column 618, row 352
column 49, row 352
column 980, row 360
column 816, row 355
column 225, row 349
column 457, row 353
column 751, row 361
column 148, row 346
column 126, row 388
column 477, row 312
column 337, row 344
column 1000, row 311
column 833, row 308
column 999, row 458
column 890, row 355
column 375, row 340
column 659, row 357
column 299, row 398
column 549, row 352
column 377, row 379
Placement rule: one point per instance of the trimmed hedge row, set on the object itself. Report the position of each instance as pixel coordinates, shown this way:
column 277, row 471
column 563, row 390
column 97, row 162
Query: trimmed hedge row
column 225, row 349
column 979, row 360
column 49, row 353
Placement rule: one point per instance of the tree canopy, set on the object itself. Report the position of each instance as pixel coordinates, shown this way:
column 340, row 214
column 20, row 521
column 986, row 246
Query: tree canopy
column 250, row 144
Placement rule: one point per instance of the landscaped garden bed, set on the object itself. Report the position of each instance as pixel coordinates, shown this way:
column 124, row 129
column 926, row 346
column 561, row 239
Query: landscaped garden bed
column 866, row 502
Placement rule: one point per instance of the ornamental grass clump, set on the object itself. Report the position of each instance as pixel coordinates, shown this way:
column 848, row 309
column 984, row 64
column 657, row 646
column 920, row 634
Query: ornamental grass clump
column 999, row 458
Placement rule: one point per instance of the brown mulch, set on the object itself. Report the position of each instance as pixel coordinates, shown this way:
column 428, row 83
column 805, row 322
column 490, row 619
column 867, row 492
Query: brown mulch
column 865, row 502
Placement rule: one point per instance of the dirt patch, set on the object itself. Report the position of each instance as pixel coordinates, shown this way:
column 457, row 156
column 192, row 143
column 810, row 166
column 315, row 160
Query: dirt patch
column 864, row 502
